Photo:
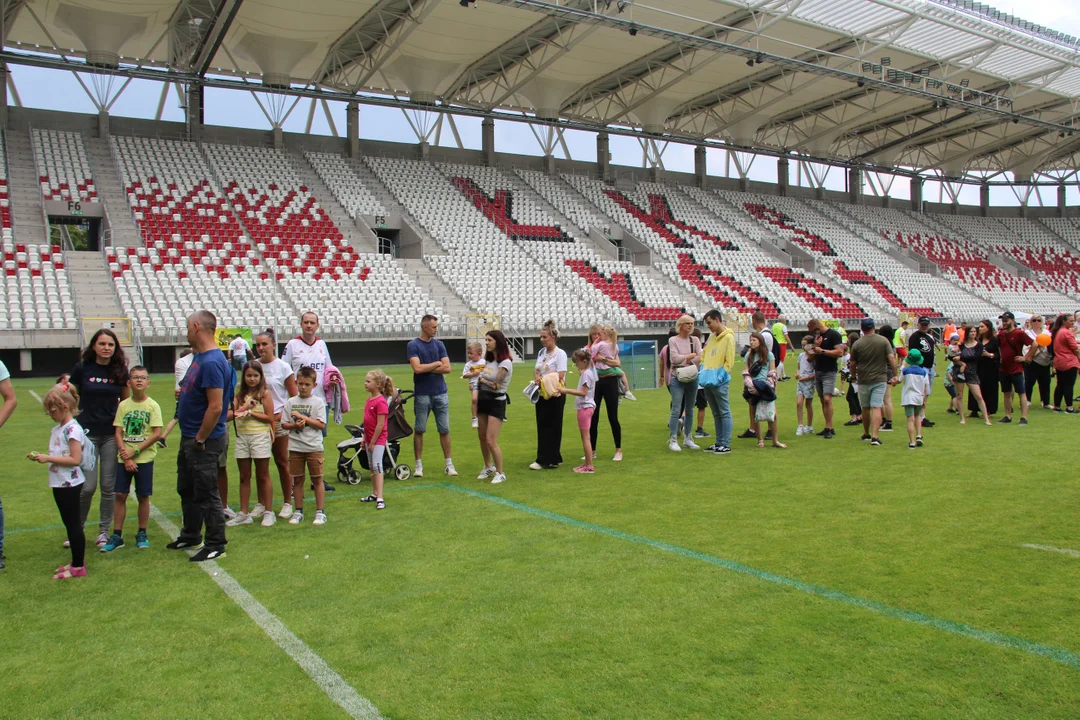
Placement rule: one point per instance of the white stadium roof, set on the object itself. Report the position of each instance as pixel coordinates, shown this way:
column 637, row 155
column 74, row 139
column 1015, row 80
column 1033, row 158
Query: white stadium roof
column 945, row 85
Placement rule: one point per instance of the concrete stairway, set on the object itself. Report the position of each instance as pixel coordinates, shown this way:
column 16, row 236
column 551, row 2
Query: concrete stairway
column 125, row 232
column 383, row 194
column 359, row 240
column 452, row 304
column 24, row 191
column 94, row 291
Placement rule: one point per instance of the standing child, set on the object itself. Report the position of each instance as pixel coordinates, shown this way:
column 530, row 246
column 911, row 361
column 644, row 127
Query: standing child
column 916, row 386
column 804, row 391
column 303, row 418
column 376, row 412
column 475, row 365
column 585, row 404
column 138, row 428
column 253, row 413
column 66, row 475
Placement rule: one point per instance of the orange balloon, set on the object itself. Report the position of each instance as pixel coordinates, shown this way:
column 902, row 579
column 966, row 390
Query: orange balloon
column 1043, row 339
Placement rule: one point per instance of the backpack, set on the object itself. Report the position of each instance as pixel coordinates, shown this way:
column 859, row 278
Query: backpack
column 89, row 456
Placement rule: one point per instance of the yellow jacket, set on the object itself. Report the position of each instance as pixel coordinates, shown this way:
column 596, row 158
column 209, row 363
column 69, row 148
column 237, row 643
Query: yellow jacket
column 719, row 351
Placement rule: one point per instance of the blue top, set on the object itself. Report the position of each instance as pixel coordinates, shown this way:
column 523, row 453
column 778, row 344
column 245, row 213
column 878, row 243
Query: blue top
column 208, row 369
column 428, row 352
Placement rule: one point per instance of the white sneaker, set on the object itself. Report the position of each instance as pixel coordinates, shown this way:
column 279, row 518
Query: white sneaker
column 486, row 473
column 240, row 518
column 258, row 510
column 809, row 430
column 475, row 423
column 229, row 512
column 418, row 471
column 450, row 469
column 320, row 518
column 689, row 444
column 286, row 511
column 297, row 518
column 799, row 431
column 673, row 445
column 535, row 466
column 499, row 477
column 268, row 518
column 630, row 395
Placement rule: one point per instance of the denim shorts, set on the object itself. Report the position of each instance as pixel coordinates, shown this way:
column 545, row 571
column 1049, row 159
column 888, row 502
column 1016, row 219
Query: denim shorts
column 825, row 382
column 1009, row 383
column 424, row 404
column 872, row 395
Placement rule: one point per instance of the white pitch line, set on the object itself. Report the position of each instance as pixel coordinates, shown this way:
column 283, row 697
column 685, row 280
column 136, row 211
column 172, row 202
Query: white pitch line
column 335, row 687
column 1049, row 548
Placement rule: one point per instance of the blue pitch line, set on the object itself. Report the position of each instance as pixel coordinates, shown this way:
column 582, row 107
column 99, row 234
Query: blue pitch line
column 177, row 513
column 1065, row 657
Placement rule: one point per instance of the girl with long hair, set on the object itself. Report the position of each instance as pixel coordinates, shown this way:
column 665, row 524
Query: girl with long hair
column 971, row 351
column 491, row 404
column 254, row 415
column 281, row 383
column 100, row 378
column 376, row 413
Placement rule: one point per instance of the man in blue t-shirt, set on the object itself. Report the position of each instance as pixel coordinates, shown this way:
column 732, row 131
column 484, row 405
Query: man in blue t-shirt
column 205, row 396
column 429, row 361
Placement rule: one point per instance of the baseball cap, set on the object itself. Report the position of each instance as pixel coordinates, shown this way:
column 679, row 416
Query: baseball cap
column 914, row 357
column 954, row 336
column 867, row 324
column 1006, row 316
column 924, row 320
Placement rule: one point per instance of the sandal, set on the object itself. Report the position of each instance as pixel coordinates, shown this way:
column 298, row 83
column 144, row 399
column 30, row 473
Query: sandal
column 780, row 445
column 761, row 443
column 62, row 568
column 70, row 572
column 369, row 498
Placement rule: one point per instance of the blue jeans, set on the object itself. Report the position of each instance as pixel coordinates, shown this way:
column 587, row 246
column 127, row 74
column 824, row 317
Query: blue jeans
column 721, row 412
column 683, row 396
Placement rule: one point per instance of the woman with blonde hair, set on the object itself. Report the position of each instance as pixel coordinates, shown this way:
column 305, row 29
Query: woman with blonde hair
column 684, row 357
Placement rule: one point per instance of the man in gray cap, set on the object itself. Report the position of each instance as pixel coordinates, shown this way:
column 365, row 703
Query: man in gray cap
column 871, row 357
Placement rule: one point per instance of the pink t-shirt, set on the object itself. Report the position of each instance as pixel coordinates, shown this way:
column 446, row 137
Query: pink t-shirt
column 1065, row 351
column 601, row 348
column 373, row 408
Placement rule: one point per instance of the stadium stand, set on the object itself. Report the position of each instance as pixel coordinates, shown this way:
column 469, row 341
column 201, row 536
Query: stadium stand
column 623, row 293
column 711, row 259
column 345, row 184
column 36, row 289
column 961, row 260
column 5, row 200
column 62, row 167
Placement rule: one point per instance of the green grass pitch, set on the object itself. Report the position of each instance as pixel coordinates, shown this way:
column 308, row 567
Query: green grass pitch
column 830, row 580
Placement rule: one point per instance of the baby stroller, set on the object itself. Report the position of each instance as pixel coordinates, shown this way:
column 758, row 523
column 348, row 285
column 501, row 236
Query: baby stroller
column 397, row 428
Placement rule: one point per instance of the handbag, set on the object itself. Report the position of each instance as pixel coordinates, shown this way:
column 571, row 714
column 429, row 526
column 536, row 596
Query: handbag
column 686, row 374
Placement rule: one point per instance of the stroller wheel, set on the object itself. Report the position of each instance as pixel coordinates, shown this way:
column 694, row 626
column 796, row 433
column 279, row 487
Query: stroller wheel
column 402, row 472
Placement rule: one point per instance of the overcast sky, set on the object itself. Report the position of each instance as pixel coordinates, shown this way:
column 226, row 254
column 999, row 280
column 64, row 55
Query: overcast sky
column 61, row 91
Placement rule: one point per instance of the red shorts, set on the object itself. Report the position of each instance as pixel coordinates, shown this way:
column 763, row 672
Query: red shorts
column 783, row 353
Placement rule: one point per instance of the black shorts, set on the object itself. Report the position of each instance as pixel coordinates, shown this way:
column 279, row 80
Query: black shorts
column 143, row 477
column 700, row 402
column 491, row 404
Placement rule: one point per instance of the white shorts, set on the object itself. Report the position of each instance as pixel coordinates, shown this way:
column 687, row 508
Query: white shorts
column 255, row 447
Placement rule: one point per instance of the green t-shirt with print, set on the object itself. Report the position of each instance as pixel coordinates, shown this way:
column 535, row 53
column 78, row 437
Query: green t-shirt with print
column 136, row 421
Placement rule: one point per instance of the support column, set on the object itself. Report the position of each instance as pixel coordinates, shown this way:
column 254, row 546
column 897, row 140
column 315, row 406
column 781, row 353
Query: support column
column 1061, row 200
column 886, row 201
column 854, row 185
column 279, row 138
column 3, row 96
column 984, row 199
column 352, row 128
column 603, row 154
column 782, row 176
column 549, row 164
column 424, row 150
column 487, row 135
column 916, row 194
column 103, row 124
column 194, row 112
column 701, row 167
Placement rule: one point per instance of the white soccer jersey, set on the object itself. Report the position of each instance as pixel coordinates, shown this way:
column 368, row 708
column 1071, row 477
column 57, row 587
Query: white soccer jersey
column 315, row 356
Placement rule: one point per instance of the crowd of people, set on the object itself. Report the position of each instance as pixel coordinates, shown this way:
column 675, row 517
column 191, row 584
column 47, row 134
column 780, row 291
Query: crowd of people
column 109, row 429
